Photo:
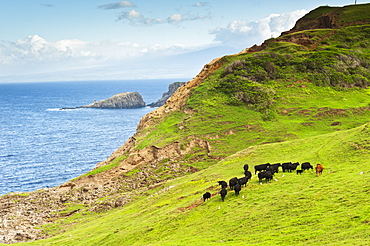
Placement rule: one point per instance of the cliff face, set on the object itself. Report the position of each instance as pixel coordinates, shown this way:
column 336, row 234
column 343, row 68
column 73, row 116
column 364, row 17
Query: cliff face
column 171, row 89
column 119, row 101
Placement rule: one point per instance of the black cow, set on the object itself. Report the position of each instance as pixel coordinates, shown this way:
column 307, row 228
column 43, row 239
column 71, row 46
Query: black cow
column 271, row 169
column 248, row 174
column 223, row 193
column 276, row 167
column 233, row 182
column 243, row 181
column 293, row 166
column 206, row 196
column 285, row 166
column 223, row 184
column 288, row 166
column 246, row 167
column 306, row 166
column 237, row 189
column 299, row 171
column 261, row 167
column 265, row 175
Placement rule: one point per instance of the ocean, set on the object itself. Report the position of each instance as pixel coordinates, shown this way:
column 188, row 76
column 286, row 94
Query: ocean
column 42, row 146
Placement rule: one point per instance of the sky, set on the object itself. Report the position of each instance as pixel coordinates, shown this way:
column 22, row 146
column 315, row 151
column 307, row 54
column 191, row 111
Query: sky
column 67, row 40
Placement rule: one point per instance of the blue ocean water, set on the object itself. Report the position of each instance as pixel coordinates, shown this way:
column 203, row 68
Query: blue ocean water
column 41, row 146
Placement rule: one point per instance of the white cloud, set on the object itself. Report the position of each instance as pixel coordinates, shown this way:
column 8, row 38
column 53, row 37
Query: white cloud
column 201, row 4
column 34, row 54
column 131, row 15
column 175, row 18
column 242, row 34
column 118, row 5
column 136, row 18
column 178, row 18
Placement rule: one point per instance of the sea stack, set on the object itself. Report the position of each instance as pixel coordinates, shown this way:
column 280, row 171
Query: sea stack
column 119, row 101
column 171, row 89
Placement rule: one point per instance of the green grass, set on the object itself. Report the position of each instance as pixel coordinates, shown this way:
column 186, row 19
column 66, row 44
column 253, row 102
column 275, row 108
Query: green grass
column 232, row 128
column 355, row 13
column 346, row 15
column 241, row 104
column 107, row 167
column 294, row 209
column 166, row 131
column 286, row 103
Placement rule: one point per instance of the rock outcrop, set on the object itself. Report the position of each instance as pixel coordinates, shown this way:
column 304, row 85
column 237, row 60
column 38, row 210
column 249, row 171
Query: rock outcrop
column 119, row 101
column 171, row 89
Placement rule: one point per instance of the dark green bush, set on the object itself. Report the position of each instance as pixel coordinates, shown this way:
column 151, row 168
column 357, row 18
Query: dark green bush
column 243, row 91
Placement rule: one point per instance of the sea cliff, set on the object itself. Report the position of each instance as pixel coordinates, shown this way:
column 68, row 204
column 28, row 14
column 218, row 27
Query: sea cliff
column 172, row 88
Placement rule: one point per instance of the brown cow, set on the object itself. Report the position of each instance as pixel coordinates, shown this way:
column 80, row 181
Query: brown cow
column 319, row 169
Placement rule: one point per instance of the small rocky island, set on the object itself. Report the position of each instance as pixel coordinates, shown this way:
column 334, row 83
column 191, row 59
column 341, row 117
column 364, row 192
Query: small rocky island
column 119, row 101
column 127, row 100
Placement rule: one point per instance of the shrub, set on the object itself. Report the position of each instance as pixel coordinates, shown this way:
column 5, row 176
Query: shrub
column 270, row 69
column 245, row 91
column 235, row 65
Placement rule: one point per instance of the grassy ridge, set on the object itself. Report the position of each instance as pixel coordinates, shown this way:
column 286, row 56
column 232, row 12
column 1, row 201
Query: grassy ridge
column 284, row 92
column 293, row 210
column 289, row 102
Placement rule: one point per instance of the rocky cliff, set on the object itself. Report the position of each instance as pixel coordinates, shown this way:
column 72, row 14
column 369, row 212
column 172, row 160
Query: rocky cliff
column 171, row 89
column 119, row 101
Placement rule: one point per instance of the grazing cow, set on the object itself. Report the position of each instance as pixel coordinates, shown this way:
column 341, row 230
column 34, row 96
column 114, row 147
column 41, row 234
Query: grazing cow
column 246, row 167
column 206, row 196
column 223, row 184
column 299, row 171
column 306, row 166
column 276, row 167
column 288, row 166
column 319, row 169
column 261, row 167
column 233, row 182
column 265, row 175
column 243, row 181
column 271, row 169
column 223, row 193
column 285, row 166
column 237, row 189
column 293, row 166
column 248, row 174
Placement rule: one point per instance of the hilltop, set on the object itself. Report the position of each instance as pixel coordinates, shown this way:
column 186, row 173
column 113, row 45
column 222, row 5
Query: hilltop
column 300, row 97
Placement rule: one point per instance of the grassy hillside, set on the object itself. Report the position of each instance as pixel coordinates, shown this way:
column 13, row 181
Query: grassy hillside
column 301, row 97
column 284, row 92
column 291, row 210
